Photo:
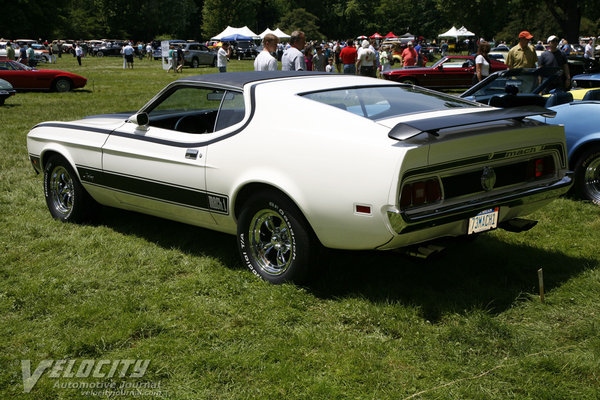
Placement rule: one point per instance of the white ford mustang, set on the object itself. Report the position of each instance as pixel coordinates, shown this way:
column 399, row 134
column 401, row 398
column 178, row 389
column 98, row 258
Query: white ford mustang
column 290, row 161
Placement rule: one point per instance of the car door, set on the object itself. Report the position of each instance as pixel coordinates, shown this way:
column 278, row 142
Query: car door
column 159, row 168
column 205, row 55
column 462, row 76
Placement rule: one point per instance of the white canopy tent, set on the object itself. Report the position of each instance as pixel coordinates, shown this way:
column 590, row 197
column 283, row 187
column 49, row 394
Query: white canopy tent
column 449, row 34
column 464, row 32
column 277, row 32
column 280, row 34
column 265, row 32
column 454, row 33
column 245, row 31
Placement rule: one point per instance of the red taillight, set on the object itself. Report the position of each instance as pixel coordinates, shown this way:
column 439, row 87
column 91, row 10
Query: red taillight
column 419, row 195
column 541, row 167
column 420, row 192
column 406, row 196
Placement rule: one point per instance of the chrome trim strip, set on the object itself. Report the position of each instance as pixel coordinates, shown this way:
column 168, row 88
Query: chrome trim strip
column 403, row 223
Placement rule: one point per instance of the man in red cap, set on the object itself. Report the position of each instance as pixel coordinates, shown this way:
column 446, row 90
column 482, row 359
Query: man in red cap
column 523, row 54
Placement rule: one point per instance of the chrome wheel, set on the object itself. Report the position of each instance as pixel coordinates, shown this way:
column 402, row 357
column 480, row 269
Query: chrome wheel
column 591, row 180
column 587, row 175
column 61, row 190
column 66, row 198
column 274, row 239
column 270, row 242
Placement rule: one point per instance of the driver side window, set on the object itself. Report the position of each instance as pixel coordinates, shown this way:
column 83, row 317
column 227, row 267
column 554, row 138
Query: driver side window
column 194, row 110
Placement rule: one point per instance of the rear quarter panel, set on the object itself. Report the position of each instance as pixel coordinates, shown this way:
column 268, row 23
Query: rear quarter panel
column 325, row 159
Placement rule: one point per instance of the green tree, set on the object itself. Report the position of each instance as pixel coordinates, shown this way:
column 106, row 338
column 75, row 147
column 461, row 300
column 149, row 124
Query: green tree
column 218, row 14
column 483, row 17
column 300, row 19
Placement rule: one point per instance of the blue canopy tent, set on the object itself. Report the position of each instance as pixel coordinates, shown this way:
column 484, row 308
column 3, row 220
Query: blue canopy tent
column 236, row 37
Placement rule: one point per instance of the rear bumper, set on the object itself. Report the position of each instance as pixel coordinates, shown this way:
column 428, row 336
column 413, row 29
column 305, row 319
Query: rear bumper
column 512, row 205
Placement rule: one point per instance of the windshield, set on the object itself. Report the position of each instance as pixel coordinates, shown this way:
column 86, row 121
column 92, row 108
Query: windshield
column 525, row 80
column 380, row 102
column 6, row 65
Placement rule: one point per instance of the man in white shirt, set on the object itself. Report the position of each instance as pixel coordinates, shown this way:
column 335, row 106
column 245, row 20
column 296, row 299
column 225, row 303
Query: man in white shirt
column 265, row 61
column 149, row 51
column 365, row 62
column 222, row 55
column 588, row 55
column 293, row 59
column 128, row 53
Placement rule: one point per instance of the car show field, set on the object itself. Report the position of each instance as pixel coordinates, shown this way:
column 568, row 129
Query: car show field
column 467, row 322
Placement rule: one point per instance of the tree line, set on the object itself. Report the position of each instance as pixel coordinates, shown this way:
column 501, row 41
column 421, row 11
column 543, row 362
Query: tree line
column 333, row 19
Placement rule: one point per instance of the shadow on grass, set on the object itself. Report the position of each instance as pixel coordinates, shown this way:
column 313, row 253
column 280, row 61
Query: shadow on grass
column 486, row 273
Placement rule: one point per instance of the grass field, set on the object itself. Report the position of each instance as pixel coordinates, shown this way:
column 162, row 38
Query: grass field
column 467, row 324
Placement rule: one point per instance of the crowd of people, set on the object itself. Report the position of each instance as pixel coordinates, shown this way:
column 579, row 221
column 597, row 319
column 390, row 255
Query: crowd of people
column 366, row 57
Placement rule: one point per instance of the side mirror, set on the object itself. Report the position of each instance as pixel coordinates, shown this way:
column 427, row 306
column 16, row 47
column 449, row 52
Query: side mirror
column 140, row 119
column 440, row 67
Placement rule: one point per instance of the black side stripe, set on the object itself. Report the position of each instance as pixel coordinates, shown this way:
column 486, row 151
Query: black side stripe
column 179, row 195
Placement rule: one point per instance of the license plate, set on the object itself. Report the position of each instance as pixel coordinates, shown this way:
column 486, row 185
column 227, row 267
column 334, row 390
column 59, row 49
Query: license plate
column 484, row 221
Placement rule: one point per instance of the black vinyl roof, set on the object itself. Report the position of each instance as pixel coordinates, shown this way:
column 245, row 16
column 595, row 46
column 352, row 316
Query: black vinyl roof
column 240, row 78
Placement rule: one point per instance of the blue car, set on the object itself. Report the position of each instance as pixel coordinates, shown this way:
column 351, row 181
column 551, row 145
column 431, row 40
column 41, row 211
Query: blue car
column 581, row 118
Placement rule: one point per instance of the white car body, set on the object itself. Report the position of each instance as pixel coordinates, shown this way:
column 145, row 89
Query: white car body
column 344, row 172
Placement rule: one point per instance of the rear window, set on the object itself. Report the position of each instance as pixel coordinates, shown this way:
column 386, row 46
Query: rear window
column 380, row 102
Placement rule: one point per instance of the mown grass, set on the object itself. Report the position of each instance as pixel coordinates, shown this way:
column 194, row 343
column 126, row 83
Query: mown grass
column 464, row 325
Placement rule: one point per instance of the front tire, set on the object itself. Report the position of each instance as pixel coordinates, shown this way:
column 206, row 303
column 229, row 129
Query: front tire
column 274, row 240
column 587, row 175
column 66, row 198
column 62, row 85
column 195, row 63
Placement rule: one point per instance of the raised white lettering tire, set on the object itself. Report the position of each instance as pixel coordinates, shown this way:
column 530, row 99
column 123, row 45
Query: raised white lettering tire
column 274, row 239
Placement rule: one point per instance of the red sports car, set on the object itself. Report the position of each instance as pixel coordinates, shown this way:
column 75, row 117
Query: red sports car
column 24, row 77
column 449, row 72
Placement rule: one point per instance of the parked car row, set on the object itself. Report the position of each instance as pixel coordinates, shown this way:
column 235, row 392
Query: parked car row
column 41, row 53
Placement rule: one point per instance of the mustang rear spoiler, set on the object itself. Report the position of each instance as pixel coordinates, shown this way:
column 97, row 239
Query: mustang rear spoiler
column 407, row 130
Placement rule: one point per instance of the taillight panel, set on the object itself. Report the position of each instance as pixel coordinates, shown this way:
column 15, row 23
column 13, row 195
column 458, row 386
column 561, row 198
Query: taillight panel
column 484, row 178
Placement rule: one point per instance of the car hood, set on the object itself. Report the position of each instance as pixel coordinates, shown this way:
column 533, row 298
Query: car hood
column 4, row 85
column 104, row 118
column 104, row 121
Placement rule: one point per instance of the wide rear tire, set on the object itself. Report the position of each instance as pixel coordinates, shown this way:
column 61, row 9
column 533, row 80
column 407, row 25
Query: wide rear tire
column 274, row 240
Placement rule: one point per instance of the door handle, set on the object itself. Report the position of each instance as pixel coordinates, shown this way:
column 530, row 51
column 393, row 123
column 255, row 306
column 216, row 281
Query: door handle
column 192, row 154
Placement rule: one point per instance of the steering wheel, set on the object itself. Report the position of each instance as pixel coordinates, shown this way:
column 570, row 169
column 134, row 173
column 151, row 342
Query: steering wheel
column 180, row 121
